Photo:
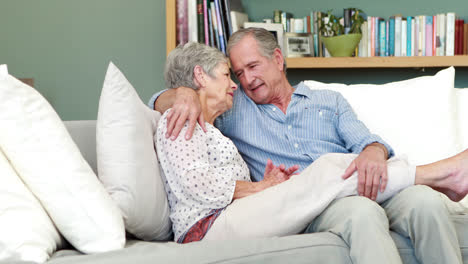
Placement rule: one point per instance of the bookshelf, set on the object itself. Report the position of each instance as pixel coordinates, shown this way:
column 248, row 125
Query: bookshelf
column 336, row 62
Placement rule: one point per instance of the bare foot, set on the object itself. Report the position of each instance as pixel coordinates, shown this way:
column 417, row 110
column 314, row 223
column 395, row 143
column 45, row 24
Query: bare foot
column 449, row 176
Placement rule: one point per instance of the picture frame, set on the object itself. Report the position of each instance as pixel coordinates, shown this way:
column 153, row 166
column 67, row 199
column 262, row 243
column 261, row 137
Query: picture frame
column 275, row 28
column 298, row 45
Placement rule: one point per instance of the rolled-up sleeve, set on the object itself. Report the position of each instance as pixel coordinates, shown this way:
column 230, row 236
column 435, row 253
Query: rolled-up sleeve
column 353, row 131
column 154, row 98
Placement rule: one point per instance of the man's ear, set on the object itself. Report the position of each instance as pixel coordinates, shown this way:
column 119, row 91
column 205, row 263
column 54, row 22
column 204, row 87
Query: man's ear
column 279, row 59
column 199, row 76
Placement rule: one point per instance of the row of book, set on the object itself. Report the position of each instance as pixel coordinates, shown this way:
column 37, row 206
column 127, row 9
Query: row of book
column 438, row 35
column 208, row 21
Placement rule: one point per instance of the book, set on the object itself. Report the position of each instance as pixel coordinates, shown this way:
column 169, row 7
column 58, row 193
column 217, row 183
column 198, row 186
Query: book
column 219, row 23
column 205, row 22
column 382, row 37
column 398, row 34
column 182, row 21
column 238, row 19
column 227, row 15
column 214, row 20
column 465, row 39
column 434, row 34
column 347, row 20
column 450, row 34
column 192, row 20
column 369, row 36
column 200, row 22
column 404, row 35
column 285, row 17
column 222, row 24
column 391, row 36
column 409, row 34
column 442, row 34
column 210, row 28
column 428, row 33
column 422, row 36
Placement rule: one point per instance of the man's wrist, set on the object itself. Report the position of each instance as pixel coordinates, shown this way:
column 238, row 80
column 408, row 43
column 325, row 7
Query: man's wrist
column 381, row 147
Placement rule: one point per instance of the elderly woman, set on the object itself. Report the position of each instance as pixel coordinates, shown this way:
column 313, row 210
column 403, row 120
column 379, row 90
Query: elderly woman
column 208, row 184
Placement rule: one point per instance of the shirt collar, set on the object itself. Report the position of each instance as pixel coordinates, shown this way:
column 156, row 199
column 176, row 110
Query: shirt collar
column 302, row 89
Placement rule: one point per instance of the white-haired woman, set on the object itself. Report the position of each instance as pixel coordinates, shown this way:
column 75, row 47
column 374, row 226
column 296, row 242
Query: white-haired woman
column 208, row 184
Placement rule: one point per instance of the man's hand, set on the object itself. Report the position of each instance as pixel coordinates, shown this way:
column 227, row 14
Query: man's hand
column 186, row 107
column 371, row 166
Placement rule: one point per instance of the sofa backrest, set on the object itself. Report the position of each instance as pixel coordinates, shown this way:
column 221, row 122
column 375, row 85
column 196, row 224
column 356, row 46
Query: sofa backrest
column 83, row 133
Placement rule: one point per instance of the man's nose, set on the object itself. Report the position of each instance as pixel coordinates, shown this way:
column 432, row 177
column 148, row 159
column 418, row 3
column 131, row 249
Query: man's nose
column 249, row 78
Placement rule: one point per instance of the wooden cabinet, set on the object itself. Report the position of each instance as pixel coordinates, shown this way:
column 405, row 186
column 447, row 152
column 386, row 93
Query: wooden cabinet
column 337, row 62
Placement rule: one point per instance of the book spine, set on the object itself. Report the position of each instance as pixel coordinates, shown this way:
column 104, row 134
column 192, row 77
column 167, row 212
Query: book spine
column 437, row 35
column 442, row 35
column 227, row 10
column 205, row 22
column 457, row 37
column 201, row 26
column 192, row 20
column 422, row 40
column 409, row 33
column 391, row 37
column 369, row 36
column 182, row 21
column 398, row 33
column 382, row 37
column 220, row 27
column 307, row 24
column 450, row 35
column 434, row 35
column 387, row 39
column 210, row 27
column 428, row 36
column 347, row 20
column 465, row 39
column 417, row 39
column 404, row 34
column 377, row 38
column 214, row 20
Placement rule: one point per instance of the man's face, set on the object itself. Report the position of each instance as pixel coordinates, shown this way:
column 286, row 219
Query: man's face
column 259, row 76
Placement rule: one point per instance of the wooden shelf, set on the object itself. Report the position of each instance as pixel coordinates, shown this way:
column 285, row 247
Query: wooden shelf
column 377, row 62
column 353, row 62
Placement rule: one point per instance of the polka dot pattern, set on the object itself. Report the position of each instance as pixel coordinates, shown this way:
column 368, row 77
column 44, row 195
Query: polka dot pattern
column 200, row 173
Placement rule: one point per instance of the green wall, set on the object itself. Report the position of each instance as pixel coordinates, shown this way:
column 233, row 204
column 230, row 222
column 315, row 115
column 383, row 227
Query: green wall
column 65, row 45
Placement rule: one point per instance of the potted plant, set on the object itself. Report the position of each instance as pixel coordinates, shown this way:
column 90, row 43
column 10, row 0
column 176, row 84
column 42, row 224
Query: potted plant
column 333, row 34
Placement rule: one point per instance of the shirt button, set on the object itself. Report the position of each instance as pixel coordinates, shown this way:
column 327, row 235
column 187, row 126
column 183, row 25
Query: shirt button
column 296, row 145
column 289, row 127
column 274, row 109
column 320, row 113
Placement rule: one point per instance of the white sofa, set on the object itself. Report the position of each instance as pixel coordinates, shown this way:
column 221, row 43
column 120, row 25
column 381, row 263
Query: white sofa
column 445, row 129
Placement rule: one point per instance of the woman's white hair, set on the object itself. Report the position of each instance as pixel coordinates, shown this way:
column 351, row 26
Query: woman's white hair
column 182, row 60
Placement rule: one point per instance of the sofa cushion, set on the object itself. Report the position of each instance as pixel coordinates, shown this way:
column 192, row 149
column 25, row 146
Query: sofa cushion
column 21, row 238
column 127, row 162
column 416, row 116
column 34, row 139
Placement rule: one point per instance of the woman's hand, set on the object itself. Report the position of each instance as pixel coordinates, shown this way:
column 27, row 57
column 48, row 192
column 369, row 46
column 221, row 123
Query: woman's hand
column 276, row 174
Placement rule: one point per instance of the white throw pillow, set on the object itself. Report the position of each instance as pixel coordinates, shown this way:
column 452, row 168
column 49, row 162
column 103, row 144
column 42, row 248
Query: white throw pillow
column 416, row 116
column 27, row 233
column 462, row 114
column 127, row 162
column 43, row 154
column 3, row 71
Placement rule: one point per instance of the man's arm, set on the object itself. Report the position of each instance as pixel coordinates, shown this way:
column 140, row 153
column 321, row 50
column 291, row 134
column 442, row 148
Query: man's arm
column 185, row 106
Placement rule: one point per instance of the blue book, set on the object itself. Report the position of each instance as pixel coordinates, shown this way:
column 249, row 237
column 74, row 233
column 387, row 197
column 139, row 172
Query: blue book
column 391, row 37
column 376, row 36
column 409, row 33
column 382, row 37
column 220, row 27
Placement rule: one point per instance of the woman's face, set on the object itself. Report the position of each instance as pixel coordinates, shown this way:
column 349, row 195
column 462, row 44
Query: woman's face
column 221, row 88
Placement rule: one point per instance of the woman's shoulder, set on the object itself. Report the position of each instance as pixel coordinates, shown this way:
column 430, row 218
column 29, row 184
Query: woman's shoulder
column 162, row 126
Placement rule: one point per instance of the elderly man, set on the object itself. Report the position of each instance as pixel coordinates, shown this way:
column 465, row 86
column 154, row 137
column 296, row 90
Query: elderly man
column 295, row 125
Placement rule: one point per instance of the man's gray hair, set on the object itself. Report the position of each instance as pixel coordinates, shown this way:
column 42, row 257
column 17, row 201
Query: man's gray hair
column 266, row 41
column 182, row 60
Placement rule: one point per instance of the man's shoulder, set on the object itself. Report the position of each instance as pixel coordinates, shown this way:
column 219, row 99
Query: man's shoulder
column 315, row 92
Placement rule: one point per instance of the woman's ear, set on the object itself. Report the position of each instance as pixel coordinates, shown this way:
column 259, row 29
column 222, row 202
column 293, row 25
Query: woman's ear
column 199, row 76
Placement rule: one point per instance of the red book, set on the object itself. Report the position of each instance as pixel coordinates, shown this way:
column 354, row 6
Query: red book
column 465, row 39
column 457, row 37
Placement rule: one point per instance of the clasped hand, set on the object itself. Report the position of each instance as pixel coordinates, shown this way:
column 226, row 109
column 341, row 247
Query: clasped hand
column 277, row 174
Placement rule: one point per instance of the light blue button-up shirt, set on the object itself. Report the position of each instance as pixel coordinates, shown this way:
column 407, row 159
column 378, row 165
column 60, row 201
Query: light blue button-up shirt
column 316, row 122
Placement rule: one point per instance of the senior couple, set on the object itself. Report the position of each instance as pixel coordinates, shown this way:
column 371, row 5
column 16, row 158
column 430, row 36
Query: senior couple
column 358, row 192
